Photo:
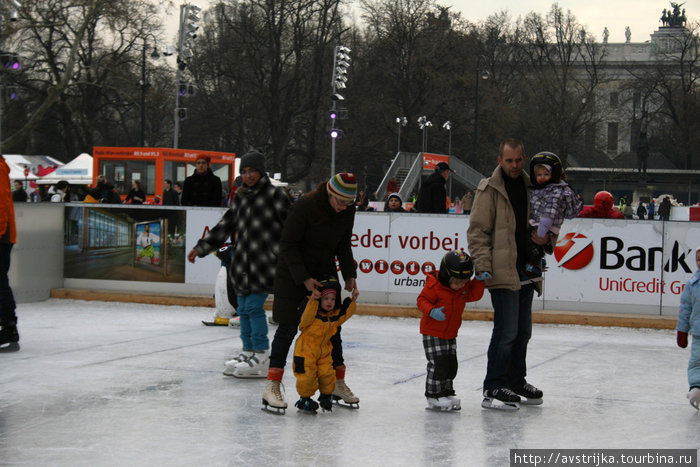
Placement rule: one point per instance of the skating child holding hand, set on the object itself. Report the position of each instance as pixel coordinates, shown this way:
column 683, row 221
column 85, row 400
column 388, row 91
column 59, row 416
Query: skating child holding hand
column 689, row 322
column 441, row 303
column 313, row 365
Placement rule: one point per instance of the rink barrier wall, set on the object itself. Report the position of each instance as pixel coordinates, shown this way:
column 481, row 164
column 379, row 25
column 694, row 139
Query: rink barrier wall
column 390, row 265
column 389, row 311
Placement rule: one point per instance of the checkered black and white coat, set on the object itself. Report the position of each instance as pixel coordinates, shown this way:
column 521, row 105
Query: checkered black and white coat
column 254, row 222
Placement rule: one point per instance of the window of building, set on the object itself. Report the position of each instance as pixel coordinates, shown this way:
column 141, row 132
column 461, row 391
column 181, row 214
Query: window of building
column 614, row 98
column 612, row 136
column 122, row 172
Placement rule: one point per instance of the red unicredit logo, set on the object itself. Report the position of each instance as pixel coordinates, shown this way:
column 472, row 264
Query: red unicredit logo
column 574, row 251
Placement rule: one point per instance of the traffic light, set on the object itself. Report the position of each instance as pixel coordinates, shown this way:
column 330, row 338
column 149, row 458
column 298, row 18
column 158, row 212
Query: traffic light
column 339, row 114
column 187, row 89
column 10, row 61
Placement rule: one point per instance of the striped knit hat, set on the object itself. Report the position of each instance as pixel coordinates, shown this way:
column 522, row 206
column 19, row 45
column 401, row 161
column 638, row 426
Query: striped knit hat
column 343, row 186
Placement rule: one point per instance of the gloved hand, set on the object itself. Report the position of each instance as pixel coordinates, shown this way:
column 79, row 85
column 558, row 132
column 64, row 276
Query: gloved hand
column 483, row 275
column 681, row 339
column 437, row 314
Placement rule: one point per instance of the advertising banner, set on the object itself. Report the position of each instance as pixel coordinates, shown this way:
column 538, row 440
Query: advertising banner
column 199, row 222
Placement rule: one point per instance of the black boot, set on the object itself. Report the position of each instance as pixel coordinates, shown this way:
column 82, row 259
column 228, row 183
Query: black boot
column 326, row 402
column 9, row 337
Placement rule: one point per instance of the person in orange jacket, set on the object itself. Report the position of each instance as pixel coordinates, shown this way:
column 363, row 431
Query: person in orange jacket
column 322, row 315
column 9, row 337
column 441, row 302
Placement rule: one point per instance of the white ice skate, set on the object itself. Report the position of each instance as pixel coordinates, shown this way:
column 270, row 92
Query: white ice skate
column 694, row 397
column 272, row 398
column 441, row 404
column 255, row 367
column 343, row 393
column 456, row 402
column 230, row 365
column 234, row 322
column 500, row 399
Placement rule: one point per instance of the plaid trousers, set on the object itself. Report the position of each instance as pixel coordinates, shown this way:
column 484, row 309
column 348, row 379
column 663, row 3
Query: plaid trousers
column 442, row 365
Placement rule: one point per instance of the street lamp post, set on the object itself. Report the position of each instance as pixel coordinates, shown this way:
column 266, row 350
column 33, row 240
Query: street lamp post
column 144, row 85
column 448, row 126
column 400, row 121
column 483, row 74
column 424, row 124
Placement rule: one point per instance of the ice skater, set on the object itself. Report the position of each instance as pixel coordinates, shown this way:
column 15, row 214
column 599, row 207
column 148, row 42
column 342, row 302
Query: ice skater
column 317, row 231
column 255, row 220
column 321, row 315
column 9, row 337
column 498, row 241
column 689, row 322
column 441, row 303
column 551, row 201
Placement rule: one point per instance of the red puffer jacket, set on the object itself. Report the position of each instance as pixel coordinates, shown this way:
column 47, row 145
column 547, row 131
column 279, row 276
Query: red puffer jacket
column 435, row 295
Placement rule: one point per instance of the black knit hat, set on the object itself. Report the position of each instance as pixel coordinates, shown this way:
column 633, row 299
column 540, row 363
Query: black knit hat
column 255, row 160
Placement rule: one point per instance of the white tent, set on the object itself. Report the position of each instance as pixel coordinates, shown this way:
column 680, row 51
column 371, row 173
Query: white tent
column 76, row 172
column 17, row 172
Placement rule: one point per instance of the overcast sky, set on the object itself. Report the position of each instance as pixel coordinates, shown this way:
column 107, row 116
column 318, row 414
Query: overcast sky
column 642, row 16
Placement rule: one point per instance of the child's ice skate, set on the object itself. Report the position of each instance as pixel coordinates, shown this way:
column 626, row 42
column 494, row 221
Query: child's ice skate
column 440, row 404
column 307, row 405
column 500, row 399
column 326, row 402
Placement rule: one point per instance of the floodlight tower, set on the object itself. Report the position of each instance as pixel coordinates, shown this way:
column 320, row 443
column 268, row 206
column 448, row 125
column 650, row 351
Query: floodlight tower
column 341, row 63
column 189, row 19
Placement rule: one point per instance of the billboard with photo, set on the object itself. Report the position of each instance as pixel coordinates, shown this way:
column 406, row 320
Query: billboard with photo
column 131, row 244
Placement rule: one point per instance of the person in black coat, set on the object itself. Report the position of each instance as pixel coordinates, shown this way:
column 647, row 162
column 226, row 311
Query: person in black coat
column 432, row 196
column 318, row 230
column 19, row 195
column 136, row 194
column 202, row 188
column 170, row 196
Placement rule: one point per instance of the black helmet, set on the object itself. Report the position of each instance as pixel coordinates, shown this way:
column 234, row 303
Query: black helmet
column 455, row 264
column 550, row 160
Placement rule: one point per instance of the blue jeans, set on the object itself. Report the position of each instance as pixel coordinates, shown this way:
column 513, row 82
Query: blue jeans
column 512, row 328
column 253, row 321
column 7, row 300
column 694, row 363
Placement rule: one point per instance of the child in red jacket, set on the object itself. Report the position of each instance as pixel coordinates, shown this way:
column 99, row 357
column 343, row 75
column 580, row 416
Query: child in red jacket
column 441, row 302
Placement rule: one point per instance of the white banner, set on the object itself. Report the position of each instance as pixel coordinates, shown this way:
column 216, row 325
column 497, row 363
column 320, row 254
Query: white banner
column 626, row 262
column 199, row 222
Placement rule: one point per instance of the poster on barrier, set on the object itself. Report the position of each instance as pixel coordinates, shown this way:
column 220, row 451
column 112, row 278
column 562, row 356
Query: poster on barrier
column 128, row 244
column 199, row 223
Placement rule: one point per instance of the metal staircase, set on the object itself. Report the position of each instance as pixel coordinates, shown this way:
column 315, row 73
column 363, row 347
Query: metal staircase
column 407, row 169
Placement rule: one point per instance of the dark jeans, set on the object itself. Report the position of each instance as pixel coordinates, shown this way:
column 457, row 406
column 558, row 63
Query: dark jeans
column 7, row 300
column 512, row 328
column 284, row 336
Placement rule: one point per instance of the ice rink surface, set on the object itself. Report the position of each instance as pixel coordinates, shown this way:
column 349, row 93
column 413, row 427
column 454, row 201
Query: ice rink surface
column 121, row 384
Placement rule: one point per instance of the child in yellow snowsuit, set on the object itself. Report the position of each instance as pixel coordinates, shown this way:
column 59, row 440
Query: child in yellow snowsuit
column 313, row 365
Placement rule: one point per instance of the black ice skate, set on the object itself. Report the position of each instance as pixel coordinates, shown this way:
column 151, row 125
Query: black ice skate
column 326, row 402
column 500, row 399
column 306, row 405
column 532, row 395
column 9, row 338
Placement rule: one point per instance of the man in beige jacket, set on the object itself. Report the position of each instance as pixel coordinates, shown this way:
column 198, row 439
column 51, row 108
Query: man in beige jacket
column 498, row 239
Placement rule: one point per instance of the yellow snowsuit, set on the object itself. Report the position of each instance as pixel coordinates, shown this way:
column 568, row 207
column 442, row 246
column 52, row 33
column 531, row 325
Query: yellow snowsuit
column 313, row 365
